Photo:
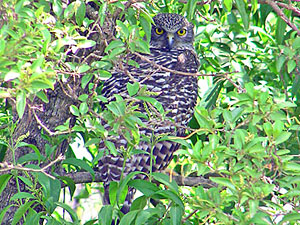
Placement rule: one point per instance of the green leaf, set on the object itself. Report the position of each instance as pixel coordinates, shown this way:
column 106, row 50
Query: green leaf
column 80, row 163
column 80, row 13
column 3, row 181
column 70, row 183
column 268, row 128
column 115, row 52
column 83, row 108
column 41, row 95
column 83, row 97
column 21, row 195
column 129, row 217
column 102, row 12
column 83, row 68
column 33, row 147
column 28, row 157
column 133, row 88
column 92, row 141
column 143, row 46
column 167, row 194
column 114, row 44
column 123, row 29
column 145, row 215
column 70, row 10
column 291, row 65
column 280, row 30
column 153, row 102
column 112, row 148
column 51, row 190
column 57, row 7
column 113, row 189
column 191, row 7
column 295, row 86
column 37, row 64
column 90, row 222
column 228, row 4
column 224, row 182
column 124, row 182
column 290, row 218
column 42, row 84
column 21, row 103
column 105, row 215
column 283, row 136
column 85, row 80
column 139, row 203
column 86, row 44
column 25, row 180
column 144, row 186
column 20, row 212
column 291, row 166
column 2, row 47
column 117, row 108
column 239, row 138
column 74, row 110
column 11, row 76
column 176, row 214
column 241, row 6
column 165, row 179
column 145, row 21
column 254, row 6
column 71, row 212
column 280, row 62
column 33, row 217
column 296, row 43
column 104, row 74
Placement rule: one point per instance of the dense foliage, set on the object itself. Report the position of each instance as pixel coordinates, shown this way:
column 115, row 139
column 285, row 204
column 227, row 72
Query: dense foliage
column 244, row 136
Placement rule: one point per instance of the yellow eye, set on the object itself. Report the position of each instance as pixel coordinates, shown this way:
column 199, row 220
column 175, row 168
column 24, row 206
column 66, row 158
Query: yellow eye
column 159, row 31
column 181, row 32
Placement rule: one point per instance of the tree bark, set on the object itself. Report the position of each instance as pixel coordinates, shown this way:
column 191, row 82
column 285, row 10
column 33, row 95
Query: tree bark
column 40, row 117
column 52, row 114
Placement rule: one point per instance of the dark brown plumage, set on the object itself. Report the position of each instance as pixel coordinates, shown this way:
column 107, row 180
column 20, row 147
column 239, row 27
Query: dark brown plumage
column 171, row 46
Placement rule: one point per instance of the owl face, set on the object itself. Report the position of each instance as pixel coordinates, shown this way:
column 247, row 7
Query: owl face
column 171, row 31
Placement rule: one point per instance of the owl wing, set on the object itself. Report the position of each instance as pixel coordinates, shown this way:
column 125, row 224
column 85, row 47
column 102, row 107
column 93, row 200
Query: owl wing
column 176, row 93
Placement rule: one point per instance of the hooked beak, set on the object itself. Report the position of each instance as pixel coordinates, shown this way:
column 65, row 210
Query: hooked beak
column 170, row 37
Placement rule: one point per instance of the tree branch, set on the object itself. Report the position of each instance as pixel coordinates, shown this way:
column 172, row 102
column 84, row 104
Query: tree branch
column 86, row 177
column 8, row 167
column 281, row 14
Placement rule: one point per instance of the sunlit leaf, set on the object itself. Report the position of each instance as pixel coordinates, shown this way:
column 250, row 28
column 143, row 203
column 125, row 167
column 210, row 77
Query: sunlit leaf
column 21, row 103
column 241, row 6
column 80, row 13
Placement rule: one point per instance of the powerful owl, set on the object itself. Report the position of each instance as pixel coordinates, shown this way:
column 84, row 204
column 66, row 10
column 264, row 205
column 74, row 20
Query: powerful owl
column 172, row 50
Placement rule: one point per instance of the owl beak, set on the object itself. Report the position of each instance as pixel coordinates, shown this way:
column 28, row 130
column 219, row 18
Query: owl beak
column 170, row 37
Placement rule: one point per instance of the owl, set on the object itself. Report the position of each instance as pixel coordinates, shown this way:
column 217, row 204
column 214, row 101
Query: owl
column 171, row 47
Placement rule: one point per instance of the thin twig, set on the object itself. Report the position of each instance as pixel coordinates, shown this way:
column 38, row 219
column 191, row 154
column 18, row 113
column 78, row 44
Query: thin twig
column 189, row 216
column 281, row 14
column 198, row 3
column 9, row 167
column 46, row 128
column 289, row 7
column 180, row 72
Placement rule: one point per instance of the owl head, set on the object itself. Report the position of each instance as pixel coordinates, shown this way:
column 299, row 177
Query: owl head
column 171, row 31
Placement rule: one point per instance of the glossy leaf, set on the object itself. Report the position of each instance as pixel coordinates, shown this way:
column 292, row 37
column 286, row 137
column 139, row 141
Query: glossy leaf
column 105, row 215
column 80, row 163
column 21, row 212
column 21, row 103
column 241, row 6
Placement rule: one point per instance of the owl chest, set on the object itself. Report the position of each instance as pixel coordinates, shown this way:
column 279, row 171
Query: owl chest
column 176, row 93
